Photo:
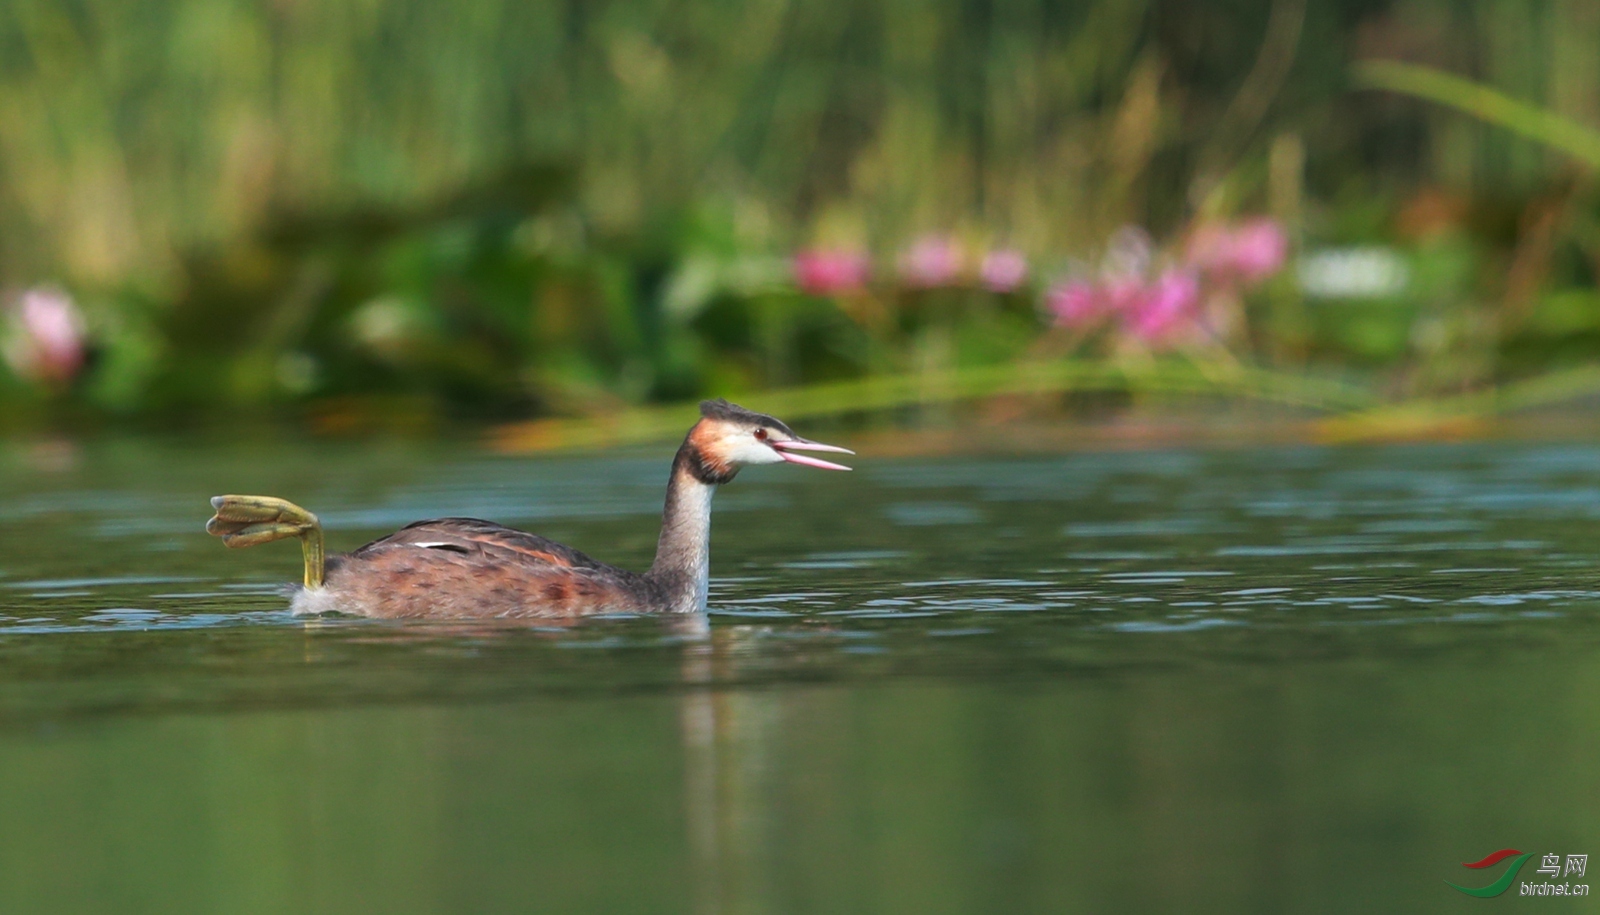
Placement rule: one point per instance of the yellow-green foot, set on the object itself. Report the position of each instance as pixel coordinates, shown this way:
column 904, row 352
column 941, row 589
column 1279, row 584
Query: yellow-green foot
column 243, row 521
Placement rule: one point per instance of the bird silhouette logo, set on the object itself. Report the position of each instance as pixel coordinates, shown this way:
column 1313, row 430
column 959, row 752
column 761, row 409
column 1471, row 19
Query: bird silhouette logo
column 1506, row 879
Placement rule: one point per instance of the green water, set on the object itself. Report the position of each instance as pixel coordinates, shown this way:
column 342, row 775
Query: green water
column 1268, row 680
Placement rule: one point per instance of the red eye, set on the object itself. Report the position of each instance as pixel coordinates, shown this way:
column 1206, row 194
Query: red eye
column 761, row 434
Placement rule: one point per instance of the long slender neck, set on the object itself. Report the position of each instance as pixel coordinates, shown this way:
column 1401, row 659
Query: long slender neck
column 683, row 554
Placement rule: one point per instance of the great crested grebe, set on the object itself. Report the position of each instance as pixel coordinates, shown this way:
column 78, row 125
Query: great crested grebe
column 463, row 568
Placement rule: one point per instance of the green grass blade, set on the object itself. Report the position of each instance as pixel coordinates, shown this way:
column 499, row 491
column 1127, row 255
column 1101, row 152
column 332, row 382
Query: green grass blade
column 1424, row 416
column 1491, row 105
column 888, row 392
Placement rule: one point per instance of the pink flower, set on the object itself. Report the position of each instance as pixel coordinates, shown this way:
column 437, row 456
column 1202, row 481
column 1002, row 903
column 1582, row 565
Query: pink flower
column 1152, row 311
column 1004, row 270
column 933, row 261
column 1077, row 303
column 46, row 342
column 1080, row 303
column 822, row 271
column 1260, row 249
column 1123, row 292
column 1168, row 305
column 1246, row 253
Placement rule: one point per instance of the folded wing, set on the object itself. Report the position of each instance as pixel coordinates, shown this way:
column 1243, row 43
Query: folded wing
column 468, row 568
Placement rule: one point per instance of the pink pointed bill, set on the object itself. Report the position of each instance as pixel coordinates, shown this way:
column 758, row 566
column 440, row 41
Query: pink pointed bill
column 786, row 451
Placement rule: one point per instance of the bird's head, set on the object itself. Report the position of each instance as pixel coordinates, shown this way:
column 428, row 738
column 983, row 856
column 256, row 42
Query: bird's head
column 729, row 437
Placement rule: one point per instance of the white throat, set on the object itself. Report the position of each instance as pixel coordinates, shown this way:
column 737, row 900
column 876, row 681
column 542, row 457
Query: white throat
column 683, row 554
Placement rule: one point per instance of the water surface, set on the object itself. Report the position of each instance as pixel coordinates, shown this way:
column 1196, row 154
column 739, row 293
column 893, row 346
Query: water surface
column 1277, row 679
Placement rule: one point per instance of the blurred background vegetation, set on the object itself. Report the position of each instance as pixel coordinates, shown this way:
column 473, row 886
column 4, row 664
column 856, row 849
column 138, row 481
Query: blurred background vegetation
column 398, row 211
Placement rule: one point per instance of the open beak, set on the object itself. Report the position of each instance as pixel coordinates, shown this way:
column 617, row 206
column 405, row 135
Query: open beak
column 786, row 451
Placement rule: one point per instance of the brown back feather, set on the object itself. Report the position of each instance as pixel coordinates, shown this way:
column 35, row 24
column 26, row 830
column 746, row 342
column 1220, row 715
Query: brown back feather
column 468, row 568
column 472, row 535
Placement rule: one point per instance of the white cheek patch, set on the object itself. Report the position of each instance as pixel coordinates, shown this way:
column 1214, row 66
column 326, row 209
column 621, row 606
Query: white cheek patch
column 751, row 451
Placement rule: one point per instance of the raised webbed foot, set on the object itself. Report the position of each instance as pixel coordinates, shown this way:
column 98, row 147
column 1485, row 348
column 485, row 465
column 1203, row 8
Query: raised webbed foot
column 243, row 521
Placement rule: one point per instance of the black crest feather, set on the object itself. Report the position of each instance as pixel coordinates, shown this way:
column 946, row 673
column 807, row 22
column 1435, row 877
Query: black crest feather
column 720, row 409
